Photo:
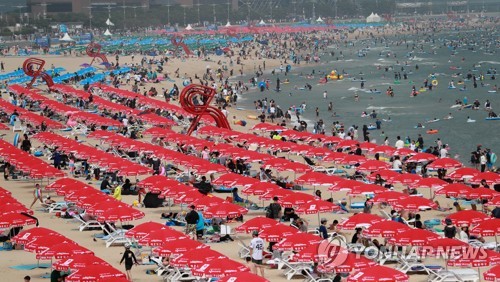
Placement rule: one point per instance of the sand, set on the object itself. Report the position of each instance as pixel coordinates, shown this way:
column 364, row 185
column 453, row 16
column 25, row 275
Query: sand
column 22, row 190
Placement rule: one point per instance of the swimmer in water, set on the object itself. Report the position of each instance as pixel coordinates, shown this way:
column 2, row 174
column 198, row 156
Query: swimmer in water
column 449, row 116
column 470, row 120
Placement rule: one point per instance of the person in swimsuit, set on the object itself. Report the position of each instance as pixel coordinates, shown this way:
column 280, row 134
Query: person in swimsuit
column 37, row 195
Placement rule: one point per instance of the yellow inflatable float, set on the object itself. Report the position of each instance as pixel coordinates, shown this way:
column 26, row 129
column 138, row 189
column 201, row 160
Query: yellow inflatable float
column 334, row 76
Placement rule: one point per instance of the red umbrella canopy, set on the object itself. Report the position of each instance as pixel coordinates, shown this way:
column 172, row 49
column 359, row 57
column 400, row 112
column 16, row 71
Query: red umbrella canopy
column 208, row 202
column 373, row 165
column 297, row 242
column 195, row 259
column 378, row 273
column 430, row 182
column 443, row 246
column 389, row 197
column 26, row 236
column 256, row 223
column 360, row 220
column 495, row 202
column 160, row 236
column 143, row 229
column 348, row 263
column 346, row 144
column 178, row 246
column 384, row 149
column 233, row 179
column 295, row 199
column 188, row 197
column 264, row 126
column 224, row 210
column 334, row 157
column 385, row 174
column 486, row 228
column 260, row 188
column 353, row 159
column 14, row 207
column 386, row 229
column 475, row 257
column 421, row 157
column 317, row 206
column 467, row 217
column 414, row 204
column 95, row 273
column 277, row 232
column 63, row 250
column 318, row 252
column 280, row 193
column 445, row 163
column 493, row 274
column 406, row 178
column 452, row 190
column 464, row 172
column 413, row 237
column 404, row 152
column 243, row 277
column 367, row 189
column 77, row 262
column 346, row 185
column 317, row 178
column 490, row 177
column 62, row 182
column 121, row 213
column 220, row 268
column 15, row 220
column 41, row 244
column 481, row 193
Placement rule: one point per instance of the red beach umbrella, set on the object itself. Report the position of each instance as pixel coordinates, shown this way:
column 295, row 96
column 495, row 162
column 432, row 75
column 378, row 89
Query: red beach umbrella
column 317, row 206
column 277, row 232
column 351, row 262
column 297, row 242
column 14, row 207
column 353, row 159
column 43, row 243
column 373, row 165
column 385, row 174
column 318, row 252
column 121, row 213
column 453, row 190
column 260, row 188
column 386, row 229
column 360, row 219
column 444, row 163
column 442, row 245
column 243, row 277
column 421, row 157
column 475, row 257
column 464, row 172
column 467, row 217
column 280, row 193
column 31, row 234
column 195, row 259
column 78, row 261
column 378, row 273
column 264, row 126
column 367, row 189
column 15, row 220
column 160, row 236
column 413, row 237
column 481, row 193
column 414, row 204
column 95, row 273
column 406, row 178
column 257, row 223
column 486, row 228
column 143, row 229
column 490, row 177
column 493, row 274
column 208, row 202
column 63, row 250
column 178, row 246
column 430, row 182
column 224, row 210
column 233, row 179
column 295, row 199
column 220, row 268
column 389, row 197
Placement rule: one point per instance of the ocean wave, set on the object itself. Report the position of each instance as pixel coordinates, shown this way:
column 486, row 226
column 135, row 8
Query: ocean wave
column 490, row 62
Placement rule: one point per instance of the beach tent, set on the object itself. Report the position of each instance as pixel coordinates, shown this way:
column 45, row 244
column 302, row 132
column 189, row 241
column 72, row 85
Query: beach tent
column 66, row 37
column 369, row 19
column 319, row 20
column 189, row 27
column 377, row 18
column 107, row 33
column 228, row 24
column 262, row 22
column 109, row 23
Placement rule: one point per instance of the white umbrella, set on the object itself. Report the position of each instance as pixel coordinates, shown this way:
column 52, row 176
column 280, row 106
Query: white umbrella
column 107, row 33
column 108, row 22
column 66, row 37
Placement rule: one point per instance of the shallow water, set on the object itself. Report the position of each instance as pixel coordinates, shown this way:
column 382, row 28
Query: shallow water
column 405, row 111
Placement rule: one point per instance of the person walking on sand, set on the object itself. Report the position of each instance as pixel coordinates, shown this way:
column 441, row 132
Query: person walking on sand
column 130, row 260
column 37, row 195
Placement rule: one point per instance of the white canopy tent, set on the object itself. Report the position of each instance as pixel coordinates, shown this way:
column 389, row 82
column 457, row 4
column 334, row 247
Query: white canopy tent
column 107, row 33
column 320, row 20
column 66, row 37
column 189, row 27
column 262, row 22
column 228, row 24
column 373, row 18
column 109, row 23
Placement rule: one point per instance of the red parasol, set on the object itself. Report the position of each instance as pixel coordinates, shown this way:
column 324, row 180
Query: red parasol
column 475, row 257
column 225, row 210
column 243, row 277
column 233, row 179
column 280, row 193
column 318, row 252
column 143, row 229
column 257, row 223
column 486, row 228
column 481, row 193
column 490, row 177
column 421, row 157
column 360, row 220
column 444, row 163
column 350, row 262
column 406, row 178
column 188, row 197
column 15, row 220
column 367, row 189
column 346, row 185
column 63, row 250
column 295, row 199
column 346, row 144
column 78, row 261
column 353, row 160
column 385, row 174
column 297, row 242
column 386, row 229
column 317, row 178
column 443, row 246
column 414, row 204
column 378, row 273
column 413, row 237
column 178, row 246
column 120, row 213
column 29, row 235
column 264, row 126
column 493, row 274
column 277, row 232
column 464, row 172
column 160, row 236
column 384, row 149
column 389, row 197
column 430, row 182
column 95, row 273
column 373, row 165
column 208, row 202
column 195, row 259
column 220, row 268
column 260, row 188
column 317, row 206
column 41, row 244
column 14, row 207
column 467, row 217
column 453, row 190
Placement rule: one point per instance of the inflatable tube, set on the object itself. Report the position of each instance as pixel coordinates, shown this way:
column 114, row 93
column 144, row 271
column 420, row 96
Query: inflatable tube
column 435, row 82
column 460, row 82
column 186, row 82
column 372, row 127
column 67, row 129
column 467, row 106
column 419, row 126
column 492, row 91
column 434, row 131
column 492, row 118
column 16, row 140
column 251, row 117
column 422, row 90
